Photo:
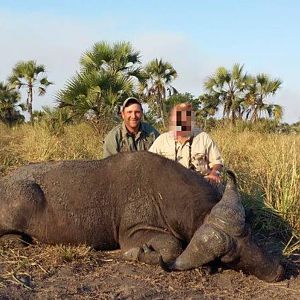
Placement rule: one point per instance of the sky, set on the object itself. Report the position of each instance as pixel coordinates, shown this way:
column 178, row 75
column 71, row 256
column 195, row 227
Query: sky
column 195, row 36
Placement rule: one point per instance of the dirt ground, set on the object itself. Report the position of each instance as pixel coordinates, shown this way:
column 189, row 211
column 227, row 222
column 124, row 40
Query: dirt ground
column 62, row 272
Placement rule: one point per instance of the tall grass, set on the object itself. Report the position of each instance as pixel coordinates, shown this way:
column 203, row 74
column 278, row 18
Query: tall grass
column 268, row 168
column 25, row 144
column 267, row 165
column 10, row 140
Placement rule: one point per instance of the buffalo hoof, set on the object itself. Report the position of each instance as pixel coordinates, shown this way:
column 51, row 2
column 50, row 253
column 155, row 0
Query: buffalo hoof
column 207, row 269
column 170, row 266
column 279, row 275
column 166, row 266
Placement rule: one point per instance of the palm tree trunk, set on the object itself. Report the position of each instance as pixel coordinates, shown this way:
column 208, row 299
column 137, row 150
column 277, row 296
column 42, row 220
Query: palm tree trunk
column 162, row 116
column 161, row 110
column 29, row 108
column 10, row 118
column 233, row 116
column 254, row 114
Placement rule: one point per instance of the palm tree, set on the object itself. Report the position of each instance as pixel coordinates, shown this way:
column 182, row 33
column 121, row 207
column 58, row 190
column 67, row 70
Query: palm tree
column 178, row 98
column 277, row 113
column 209, row 104
column 31, row 76
column 156, row 84
column 259, row 91
column 53, row 119
column 229, row 87
column 95, row 94
column 108, row 76
column 119, row 57
column 9, row 107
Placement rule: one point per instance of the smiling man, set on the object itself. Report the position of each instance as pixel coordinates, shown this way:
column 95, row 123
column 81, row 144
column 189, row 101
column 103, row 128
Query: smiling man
column 132, row 134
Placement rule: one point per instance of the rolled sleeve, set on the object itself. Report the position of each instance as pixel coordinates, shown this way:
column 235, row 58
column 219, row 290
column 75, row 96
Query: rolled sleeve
column 213, row 152
column 110, row 146
column 155, row 146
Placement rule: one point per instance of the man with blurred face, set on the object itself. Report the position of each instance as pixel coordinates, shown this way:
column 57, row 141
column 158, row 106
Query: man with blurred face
column 132, row 134
column 190, row 147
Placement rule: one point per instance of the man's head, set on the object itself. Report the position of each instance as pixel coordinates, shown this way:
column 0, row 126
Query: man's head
column 181, row 119
column 132, row 112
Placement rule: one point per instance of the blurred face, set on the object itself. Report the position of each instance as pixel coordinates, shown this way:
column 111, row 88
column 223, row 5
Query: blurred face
column 132, row 116
column 181, row 120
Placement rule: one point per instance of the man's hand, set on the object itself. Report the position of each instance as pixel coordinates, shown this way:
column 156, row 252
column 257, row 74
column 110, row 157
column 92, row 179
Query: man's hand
column 214, row 176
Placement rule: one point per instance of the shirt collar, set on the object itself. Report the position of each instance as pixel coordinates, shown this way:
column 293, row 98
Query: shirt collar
column 195, row 131
column 126, row 132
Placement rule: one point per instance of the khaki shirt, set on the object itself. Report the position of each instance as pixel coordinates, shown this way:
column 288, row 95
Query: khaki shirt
column 119, row 139
column 202, row 149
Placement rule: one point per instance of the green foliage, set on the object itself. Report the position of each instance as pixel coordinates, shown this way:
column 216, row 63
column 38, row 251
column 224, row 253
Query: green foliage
column 10, row 106
column 229, row 88
column 53, row 119
column 178, row 98
column 293, row 128
column 109, row 73
column 242, row 96
column 107, row 77
column 210, row 104
column 152, row 115
column 119, row 57
column 155, row 86
column 258, row 91
column 95, row 94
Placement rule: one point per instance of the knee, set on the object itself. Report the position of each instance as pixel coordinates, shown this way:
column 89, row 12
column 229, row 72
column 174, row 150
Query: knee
column 28, row 199
column 169, row 248
column 171, row 253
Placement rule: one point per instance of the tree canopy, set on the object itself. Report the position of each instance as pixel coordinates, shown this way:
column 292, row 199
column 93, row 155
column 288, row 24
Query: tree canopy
column 31, row 76
column 241, row 95
column 109, row 73
column 9, row 105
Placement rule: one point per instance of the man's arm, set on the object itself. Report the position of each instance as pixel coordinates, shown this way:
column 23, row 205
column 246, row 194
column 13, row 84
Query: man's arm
column 156, row 133
column 110, row 146
column 155, row 147
column 215, row 160
column 152, row 136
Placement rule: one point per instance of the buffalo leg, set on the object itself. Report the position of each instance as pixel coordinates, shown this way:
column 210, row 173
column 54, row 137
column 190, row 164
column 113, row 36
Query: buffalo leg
column 152, row 248
column 207, row 244
column 17, row 213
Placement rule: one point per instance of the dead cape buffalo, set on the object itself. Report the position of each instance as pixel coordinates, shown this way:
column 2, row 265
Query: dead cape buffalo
column 154, row 209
